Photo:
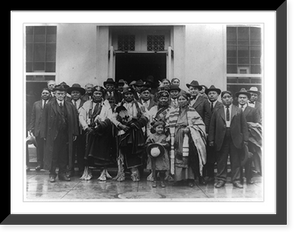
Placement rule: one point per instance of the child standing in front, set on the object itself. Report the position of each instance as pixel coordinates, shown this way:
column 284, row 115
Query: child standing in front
column 159, row 165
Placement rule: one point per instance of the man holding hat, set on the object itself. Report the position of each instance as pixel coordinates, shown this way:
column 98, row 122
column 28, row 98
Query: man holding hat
column 252, row 118
column 208, row 170
column 76, row 92
column 228, row 132
column 60, row 129
column 199, row 102
column 94, row 117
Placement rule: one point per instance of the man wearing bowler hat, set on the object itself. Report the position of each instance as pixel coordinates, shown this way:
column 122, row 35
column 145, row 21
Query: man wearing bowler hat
column 60, row 129
column 199, row 102
column 228, row 132
column 77, row 92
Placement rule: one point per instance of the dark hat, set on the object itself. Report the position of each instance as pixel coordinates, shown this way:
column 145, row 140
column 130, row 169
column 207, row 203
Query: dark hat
column 128, row 89
column 163, row 93
column 213, row 88
column 145, row 88
column 174, row 87
column 242, row 91
column 194, row 84
column 60, row 87
column 110, row 81
column 99, row 88
column 121, row 82
column 120, row 108
column 254, row 90
column 139, row 83
column 224, row 92
column 155, row 150
column 76, row 87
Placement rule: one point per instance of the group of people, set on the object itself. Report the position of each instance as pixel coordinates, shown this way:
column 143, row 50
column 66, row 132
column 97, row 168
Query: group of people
column 178, row 135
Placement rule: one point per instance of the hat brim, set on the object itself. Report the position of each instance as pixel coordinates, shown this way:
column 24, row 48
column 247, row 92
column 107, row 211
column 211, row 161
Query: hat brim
column 213, row 89
column 195, row 86
column 245, row 93
column 257, row 92
column 81, row 90
column 153, row 145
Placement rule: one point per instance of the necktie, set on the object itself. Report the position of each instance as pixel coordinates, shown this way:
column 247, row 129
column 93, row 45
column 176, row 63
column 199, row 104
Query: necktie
column 96, row 109
column 211, row 106
column 227, row 113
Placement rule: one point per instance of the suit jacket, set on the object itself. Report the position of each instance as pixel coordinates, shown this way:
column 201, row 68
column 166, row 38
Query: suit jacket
column 238, row 127
column 202, row 106
column 36, row 118
column 49, row 128
column 258, row 108
column 151, row 103
column 251, row 115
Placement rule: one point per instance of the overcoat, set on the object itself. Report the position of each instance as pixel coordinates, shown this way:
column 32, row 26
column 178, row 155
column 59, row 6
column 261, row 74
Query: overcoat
column 201, row 105
column 238, row 127
column 36, row 118
column 49, row 129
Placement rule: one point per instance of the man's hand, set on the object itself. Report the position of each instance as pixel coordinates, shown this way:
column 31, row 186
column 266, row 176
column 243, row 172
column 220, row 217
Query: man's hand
column 74, row 138
column 211, row 143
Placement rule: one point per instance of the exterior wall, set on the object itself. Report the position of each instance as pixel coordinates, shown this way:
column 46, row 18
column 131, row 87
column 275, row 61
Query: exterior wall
column 205, row 54
column 199, row 54
column 76, row 54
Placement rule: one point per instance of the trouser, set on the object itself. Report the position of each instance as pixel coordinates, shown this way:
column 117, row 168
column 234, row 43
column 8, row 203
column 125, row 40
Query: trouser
column 40, row 143
column 60, row 153
column 79, row 151
column 228, row 148
column 208, row 169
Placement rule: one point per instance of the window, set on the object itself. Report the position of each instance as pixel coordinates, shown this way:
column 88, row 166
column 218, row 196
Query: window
column 155, row 43
column 40, row 48
column 243, row 50
column 126, row 42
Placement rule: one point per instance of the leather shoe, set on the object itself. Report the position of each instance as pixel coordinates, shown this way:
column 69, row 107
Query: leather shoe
column 64, row 177
column 191, row 184
column 52, row 178
column 219, row 184
column 202, row 181
column 162, row 184
column 154, row 184
column 237, row 184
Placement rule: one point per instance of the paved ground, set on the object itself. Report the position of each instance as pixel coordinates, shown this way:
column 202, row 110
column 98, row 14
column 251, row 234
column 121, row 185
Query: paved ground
column 39, row 188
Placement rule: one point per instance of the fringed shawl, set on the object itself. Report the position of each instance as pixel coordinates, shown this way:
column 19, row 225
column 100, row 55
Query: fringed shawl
column 198, row 135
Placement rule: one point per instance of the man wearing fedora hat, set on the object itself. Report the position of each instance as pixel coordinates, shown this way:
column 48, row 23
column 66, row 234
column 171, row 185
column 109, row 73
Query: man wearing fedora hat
column 77, row 92
column 60, row 129
column 212, row 93
column 252, row 118
column 228, row 132
column 253, row 100
column 199, row 102
column 112, row 94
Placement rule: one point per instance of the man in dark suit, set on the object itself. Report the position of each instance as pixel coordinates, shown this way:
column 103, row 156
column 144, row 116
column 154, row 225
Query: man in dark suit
column 251, row 115
column 253, row 101
column 213, row 94
column 228, row 132
column 59, row 128
column 112, row 94
column 199, row 102
column 76, row 92
column 35, row 125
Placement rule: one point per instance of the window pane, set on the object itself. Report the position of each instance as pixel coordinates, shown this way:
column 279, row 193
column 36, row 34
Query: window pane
column 51, row 52
column 39, row 52
column 255, row 69
column 231, row 51
column 243, row 33
column 231, row 33
column 50, row 67
column 39, row 66
column 255, row 51
column 243, row 51
column 255, row 60
column 29, row 52
column 255, row 33
column 243, row 60
column 231, row 60
column 243, row 42
column 231, row 69
column 29, row 66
